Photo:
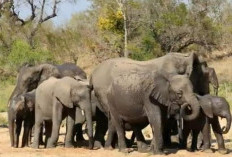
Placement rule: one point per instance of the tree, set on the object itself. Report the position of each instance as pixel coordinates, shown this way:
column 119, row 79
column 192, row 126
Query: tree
column 12, row 8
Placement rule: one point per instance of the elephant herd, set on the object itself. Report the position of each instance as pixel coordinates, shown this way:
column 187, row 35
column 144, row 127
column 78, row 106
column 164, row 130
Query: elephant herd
column 169, row 93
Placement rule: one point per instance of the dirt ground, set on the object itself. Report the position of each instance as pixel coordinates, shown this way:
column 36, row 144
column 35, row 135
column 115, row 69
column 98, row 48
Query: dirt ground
column 60, row 151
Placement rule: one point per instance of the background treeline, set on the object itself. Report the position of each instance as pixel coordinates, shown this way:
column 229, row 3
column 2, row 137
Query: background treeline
column 139, row 29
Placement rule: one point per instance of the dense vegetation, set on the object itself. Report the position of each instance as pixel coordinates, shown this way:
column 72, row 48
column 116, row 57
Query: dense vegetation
column 139, row 29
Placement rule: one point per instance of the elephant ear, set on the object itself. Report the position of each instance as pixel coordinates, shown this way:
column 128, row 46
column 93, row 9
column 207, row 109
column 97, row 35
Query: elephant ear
column 206, row 105
column 48, row 70
column 162, row 90
column 62, row 92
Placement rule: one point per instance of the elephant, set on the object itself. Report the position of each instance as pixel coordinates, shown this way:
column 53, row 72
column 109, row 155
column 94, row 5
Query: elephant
column 23, row 111
column 201, row 77
column 212, row 107
column 173, row 64
column 57, row 99
column 30, row 77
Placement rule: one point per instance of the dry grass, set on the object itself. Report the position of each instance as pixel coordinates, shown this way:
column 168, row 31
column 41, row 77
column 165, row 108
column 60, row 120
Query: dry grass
column 223, row 69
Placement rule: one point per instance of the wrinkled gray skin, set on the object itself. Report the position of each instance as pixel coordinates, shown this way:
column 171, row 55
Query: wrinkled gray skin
column 125, row 78
column 212, row 108
column 205, row 76
column 57, row 99
column 23, row 112
column 30, row 77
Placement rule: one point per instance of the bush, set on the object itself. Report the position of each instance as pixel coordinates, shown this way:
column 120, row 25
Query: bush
column 6, row 88
column 21, row 53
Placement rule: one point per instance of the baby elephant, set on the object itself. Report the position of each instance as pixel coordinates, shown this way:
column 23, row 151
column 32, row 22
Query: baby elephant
column 22, row 112
column 57, row 99
column 212, row 108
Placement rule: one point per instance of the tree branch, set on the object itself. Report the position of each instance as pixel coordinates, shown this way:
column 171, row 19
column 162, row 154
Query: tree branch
column 49, row 16
column 33, row 8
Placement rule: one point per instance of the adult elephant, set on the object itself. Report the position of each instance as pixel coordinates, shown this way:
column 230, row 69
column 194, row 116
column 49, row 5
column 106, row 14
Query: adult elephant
column 172, row 63
column 30, row 77
column 105, row 75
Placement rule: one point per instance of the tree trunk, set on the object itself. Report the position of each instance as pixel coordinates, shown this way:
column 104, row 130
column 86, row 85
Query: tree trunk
column 126, row 54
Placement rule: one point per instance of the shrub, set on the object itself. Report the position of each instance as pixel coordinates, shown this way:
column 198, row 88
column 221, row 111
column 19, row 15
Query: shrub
column 21, row 53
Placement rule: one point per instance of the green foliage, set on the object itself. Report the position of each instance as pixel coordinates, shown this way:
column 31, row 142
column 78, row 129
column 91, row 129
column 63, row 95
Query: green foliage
column 147, row 49
column 21, row 53
column 6, row 88
column 175, row 17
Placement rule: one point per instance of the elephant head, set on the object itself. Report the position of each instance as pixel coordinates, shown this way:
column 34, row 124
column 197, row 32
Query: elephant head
column 176, row 90
column 194, row 67
column 77, row 94
column 30, row 77
column 216, row 106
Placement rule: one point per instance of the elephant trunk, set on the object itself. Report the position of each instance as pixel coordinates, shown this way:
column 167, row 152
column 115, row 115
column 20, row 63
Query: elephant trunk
column 11, row 124
column 195, row 108
column 226, row 129
column 88, row 116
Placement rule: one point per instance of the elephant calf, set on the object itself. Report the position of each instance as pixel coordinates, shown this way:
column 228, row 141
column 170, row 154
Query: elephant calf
column 57, row 99
column 22, row 110
column 212, row 107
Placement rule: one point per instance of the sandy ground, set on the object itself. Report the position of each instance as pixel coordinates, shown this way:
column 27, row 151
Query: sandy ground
column 60, row 151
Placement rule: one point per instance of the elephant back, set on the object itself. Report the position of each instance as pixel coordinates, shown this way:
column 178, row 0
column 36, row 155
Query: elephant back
column 70, row 69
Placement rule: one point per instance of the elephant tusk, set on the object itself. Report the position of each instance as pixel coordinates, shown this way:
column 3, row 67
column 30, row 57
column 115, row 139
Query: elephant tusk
column 82, row 112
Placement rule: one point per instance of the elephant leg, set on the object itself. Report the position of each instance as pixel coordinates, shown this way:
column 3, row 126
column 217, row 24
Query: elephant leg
column 48, row 131
column 141, row 143
column 11, row 123
column 17, row 130
column 186, row 132
column 180, row 131
column 56, row 122
column 167, row 134
column 110, row 137
column 117, row 122
column 78, row 132
column 37, row 129
column 29, row 136
column 206, row 136
column 41, row 136
column 195, row 134
column 154, row 116
column 27, row 127
column 69, row 129
column 101, row 129
column 217, row 132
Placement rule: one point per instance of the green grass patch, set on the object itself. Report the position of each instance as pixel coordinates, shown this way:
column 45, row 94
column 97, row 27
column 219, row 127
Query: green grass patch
column 6, row 88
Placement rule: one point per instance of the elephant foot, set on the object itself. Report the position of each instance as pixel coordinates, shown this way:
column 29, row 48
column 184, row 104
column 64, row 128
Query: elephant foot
column 68, row 145
column 207, row 151
column 193, row 150
column 97, row 145
column 108, row 148
column 50, row 145
column 223, row 151
column 182, row 147
column 126, row 150
column 143, row 147
column 157, row 151
column 34, row 145
column 41, row 143
column 15, row 146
